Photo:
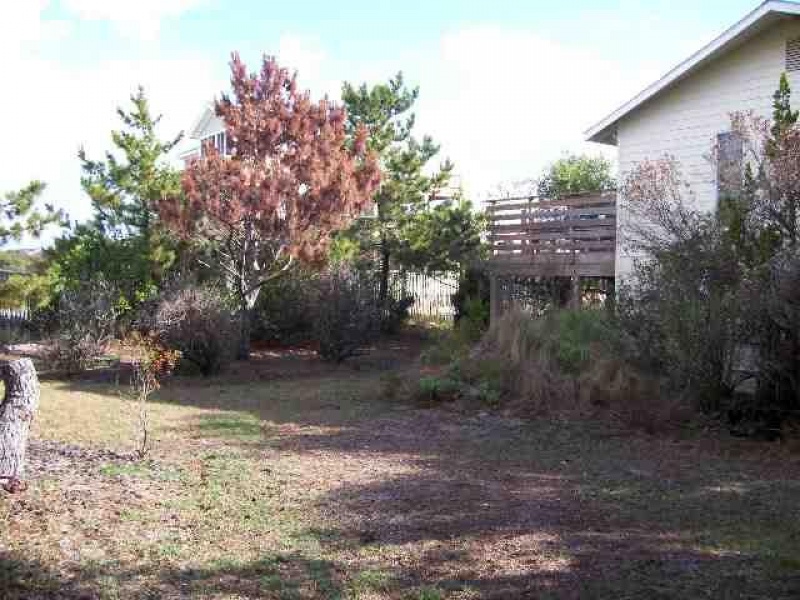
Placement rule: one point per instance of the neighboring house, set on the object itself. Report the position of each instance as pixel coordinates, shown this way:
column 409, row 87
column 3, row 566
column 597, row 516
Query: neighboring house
column 208, row 128
column 686, row 112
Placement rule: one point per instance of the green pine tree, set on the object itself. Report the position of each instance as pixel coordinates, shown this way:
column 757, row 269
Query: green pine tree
column 402, row 228
column 22, row 217
column 783, row 117
column 125, row 188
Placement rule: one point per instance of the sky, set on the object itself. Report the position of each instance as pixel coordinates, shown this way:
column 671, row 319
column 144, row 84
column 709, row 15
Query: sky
column 506, row 86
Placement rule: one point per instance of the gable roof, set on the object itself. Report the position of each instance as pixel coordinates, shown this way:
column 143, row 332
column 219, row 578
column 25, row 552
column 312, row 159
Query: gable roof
column 201, row 125
column 754, row 22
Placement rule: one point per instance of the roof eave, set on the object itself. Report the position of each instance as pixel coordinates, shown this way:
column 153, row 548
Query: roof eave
column 607, row 136
column 201, row 122
column 605, row 130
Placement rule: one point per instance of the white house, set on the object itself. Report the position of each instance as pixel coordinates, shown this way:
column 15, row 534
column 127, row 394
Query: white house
column 687, row 111
column 207, row 128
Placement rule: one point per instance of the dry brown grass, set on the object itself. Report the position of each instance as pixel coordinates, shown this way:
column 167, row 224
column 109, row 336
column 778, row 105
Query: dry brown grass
column 584, row 379
column 534, row 381
column 612, row 387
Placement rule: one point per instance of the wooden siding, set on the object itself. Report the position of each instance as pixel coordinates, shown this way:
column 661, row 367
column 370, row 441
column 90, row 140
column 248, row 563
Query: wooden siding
column 573, row 236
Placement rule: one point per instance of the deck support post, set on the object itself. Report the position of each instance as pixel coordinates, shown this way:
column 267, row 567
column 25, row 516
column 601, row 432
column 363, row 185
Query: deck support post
column 575, row 295
column 495, row 302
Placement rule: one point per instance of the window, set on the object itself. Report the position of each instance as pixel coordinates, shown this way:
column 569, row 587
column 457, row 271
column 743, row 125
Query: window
column 218, row 141
column 793, row 55
column 730, row 164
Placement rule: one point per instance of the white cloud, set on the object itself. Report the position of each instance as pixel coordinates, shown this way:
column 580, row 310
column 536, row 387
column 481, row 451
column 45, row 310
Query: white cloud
column 135, row 18
column 305, row 55
column 501, row 102
column 56, row 106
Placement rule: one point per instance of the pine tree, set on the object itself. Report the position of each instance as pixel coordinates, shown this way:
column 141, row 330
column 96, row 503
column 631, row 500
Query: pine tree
column 408, row 184
column 293, row 178
column 22, row 217
column 782, row 150
column 783, row 117
column 125, row 189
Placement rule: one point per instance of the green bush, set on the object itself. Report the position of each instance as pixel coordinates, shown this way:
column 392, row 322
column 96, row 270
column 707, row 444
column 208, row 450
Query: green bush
column 438, row 389
column 449, row 345
column 552, row 362
column 570, row 335
column 472, row 303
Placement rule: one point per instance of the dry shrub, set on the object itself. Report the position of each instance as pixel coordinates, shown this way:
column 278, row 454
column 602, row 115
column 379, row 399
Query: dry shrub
column 572, row 362
column 282, row 311
column 532, row 378
column 86, row 318
column 347, row 316
column 197, row 322
column 613, row 387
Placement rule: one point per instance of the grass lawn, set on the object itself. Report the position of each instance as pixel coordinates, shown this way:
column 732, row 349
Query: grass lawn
column 306, row 482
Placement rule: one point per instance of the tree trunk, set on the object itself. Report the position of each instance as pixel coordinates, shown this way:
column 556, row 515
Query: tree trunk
column 244, row 332
column 16, row 414
column 383, row 289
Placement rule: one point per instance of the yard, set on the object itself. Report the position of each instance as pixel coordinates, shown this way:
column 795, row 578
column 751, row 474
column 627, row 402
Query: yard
column 302, row 480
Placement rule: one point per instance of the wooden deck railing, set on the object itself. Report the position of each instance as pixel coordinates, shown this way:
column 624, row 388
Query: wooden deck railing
column 568, row 237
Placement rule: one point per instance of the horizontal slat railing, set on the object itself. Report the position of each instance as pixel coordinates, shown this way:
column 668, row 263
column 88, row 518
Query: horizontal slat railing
column 567, row 234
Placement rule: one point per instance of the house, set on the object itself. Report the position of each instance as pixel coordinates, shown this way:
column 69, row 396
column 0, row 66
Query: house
column 686, row 112
column 208, row 128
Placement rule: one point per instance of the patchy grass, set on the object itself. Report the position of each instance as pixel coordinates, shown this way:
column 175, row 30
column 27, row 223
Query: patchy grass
column 323, row 487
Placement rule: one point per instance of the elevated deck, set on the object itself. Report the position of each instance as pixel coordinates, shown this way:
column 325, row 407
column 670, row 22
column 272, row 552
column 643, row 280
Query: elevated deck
column 573, row 236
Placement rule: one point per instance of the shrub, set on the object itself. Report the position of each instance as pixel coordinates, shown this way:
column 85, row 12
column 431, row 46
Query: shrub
column 570, row 335
column 450, row 345
column 633, row 397
column 84, row 320
column 395, row 313
column 282, row 311
column 471, row 300
column 346, row 314
column 569, row 361
column 563, row 337
column 437, row 389
column 771, row 299
column 539, row 363
column 197, row 322
column 683, row 316
column 151, row 364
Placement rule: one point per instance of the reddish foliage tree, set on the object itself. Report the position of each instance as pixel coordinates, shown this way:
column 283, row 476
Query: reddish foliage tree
column 291, row 178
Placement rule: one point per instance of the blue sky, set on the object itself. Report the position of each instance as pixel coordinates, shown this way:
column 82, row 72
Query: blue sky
column 506, row 85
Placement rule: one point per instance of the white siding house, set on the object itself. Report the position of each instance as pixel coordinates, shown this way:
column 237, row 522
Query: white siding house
column 208, row 128
column 683, row 113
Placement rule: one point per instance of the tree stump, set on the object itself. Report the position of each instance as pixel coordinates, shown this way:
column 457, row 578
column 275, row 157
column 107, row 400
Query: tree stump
column 16, row 414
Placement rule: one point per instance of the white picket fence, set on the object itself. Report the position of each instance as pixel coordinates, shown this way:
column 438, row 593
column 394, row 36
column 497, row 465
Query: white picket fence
column 13, row 317
column 432, row 293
